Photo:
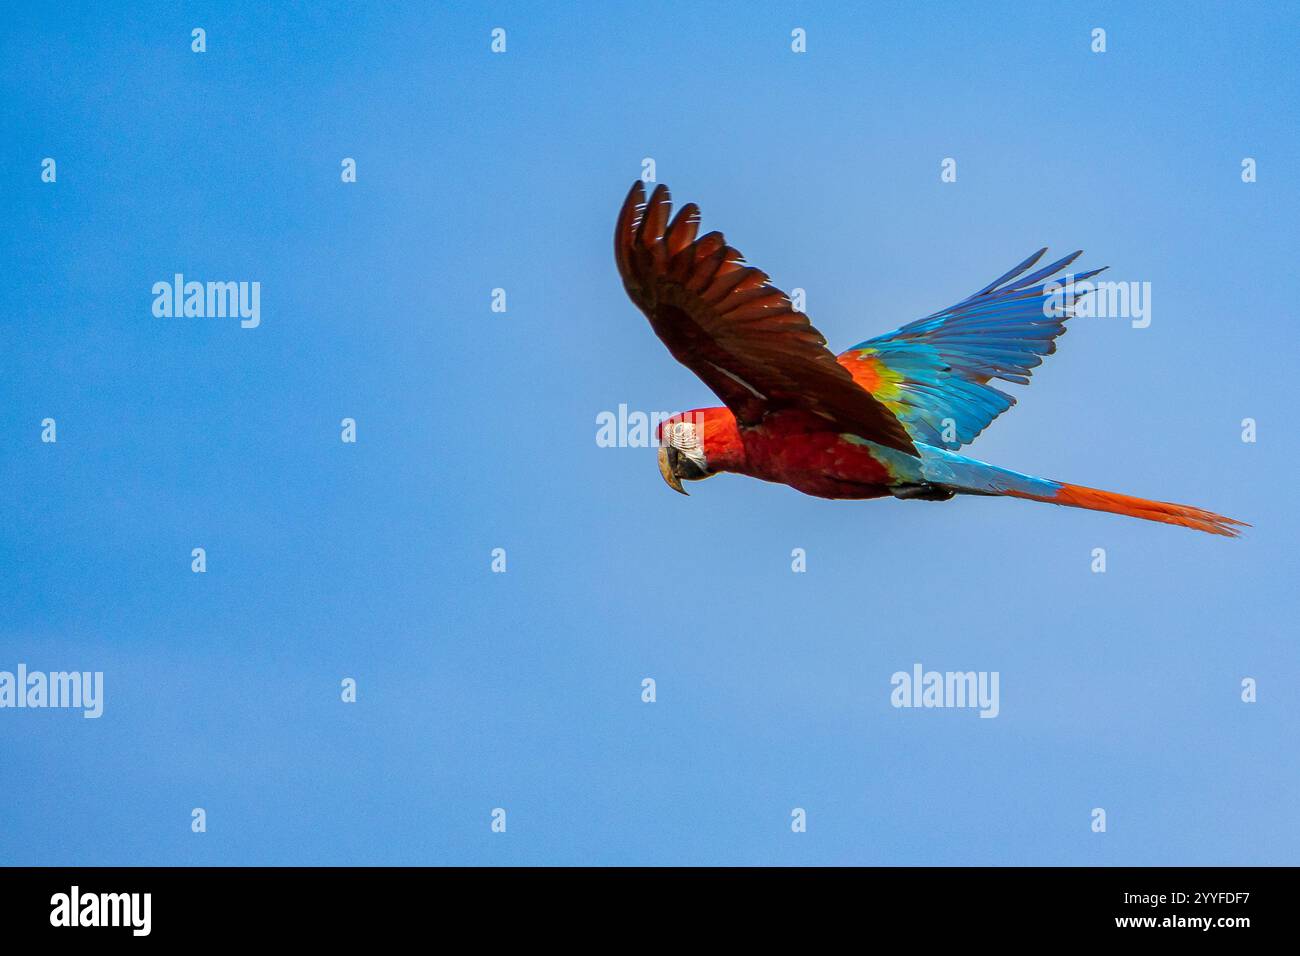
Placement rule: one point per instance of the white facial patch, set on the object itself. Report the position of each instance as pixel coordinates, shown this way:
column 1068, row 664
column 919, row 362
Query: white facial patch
column 685, row 437
column 682, row 436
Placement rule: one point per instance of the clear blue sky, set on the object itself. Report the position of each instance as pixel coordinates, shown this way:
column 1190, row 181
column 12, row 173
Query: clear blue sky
column 476, row 430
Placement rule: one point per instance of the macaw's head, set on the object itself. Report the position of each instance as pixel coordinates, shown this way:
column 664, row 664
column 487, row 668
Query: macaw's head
column 696, row 445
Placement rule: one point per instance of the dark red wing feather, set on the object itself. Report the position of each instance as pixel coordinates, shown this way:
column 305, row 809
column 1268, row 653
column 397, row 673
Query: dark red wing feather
column 725, row 322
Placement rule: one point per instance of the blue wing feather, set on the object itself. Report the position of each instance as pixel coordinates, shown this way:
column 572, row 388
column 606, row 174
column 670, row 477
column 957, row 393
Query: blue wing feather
column 934, row 373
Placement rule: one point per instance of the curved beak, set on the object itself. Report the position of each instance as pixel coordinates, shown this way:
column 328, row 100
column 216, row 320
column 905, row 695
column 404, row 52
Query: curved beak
column 666, row 469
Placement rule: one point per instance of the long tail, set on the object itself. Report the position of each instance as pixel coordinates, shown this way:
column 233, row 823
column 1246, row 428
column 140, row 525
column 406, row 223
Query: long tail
column 1077, row 496
column 968, row 476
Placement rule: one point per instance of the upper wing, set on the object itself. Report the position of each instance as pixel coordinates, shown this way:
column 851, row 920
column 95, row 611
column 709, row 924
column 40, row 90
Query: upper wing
column 728, row 325
column 934, row 373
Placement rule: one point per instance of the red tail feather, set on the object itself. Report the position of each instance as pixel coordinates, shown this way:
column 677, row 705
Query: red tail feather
column 1077, row 496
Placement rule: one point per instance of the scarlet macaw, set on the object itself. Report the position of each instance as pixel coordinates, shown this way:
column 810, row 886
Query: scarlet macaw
column 867, row 423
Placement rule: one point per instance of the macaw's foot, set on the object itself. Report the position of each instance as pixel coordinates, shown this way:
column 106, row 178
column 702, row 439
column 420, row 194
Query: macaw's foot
column 922, row 491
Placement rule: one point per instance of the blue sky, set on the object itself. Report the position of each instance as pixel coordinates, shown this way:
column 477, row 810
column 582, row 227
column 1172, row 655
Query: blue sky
column 476, row 430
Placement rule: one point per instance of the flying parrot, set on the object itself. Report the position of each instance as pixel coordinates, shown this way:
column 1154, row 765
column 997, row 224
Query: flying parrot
column 882, row 418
